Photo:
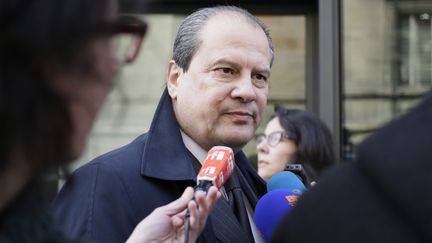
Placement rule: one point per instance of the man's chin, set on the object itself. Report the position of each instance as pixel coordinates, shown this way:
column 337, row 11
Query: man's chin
column 236, row 143
column 235, row 137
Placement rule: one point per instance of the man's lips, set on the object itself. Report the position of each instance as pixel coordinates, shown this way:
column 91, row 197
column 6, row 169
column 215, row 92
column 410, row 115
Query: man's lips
column 242, row 115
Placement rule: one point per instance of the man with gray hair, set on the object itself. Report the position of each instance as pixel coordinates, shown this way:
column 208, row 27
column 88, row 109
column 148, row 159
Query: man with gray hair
column 216, row 93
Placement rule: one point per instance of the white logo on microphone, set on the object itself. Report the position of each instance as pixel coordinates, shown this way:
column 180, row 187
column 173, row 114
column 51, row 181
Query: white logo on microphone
column 218, row 155
column 210, row 170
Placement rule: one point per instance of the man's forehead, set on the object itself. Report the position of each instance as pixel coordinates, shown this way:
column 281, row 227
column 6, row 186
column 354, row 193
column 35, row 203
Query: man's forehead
column 226, row 17
column 228, row 26
column 232, row 32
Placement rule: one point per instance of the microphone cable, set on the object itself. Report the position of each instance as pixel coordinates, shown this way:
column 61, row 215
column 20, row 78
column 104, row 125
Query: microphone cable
column 202, row 186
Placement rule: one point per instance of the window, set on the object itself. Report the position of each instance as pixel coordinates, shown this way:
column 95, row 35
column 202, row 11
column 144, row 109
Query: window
column 387, row 63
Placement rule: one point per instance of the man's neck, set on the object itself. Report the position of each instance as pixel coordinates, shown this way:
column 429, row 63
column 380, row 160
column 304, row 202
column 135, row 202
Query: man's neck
column 198, row 152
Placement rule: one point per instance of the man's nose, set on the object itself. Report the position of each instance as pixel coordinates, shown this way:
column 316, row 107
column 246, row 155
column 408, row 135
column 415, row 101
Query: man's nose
column 244, row 89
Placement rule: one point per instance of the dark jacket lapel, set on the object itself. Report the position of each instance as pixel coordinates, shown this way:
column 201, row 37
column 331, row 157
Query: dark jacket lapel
column 251, row 183
column 165, row 155
column 225, row 225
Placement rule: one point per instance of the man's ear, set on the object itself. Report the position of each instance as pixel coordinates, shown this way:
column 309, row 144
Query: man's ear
column 173, row 82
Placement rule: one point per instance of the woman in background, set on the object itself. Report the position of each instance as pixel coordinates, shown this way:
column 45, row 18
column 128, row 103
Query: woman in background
column 58, row 60
column 294, row 136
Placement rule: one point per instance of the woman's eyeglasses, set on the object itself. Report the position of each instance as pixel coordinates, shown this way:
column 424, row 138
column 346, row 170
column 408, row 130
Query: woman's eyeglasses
column 127, row 34
column 272, row 139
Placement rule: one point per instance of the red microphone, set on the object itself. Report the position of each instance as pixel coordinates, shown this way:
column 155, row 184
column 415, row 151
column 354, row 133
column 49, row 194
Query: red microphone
column 216, row 169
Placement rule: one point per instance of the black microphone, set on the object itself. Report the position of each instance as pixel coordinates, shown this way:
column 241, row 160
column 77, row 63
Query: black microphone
column 304, row 171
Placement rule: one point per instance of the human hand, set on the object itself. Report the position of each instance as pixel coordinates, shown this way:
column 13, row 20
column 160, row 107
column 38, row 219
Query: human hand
column 167, row 223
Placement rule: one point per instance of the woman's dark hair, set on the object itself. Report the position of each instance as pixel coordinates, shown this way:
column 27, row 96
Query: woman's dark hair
column 35, row 34
column 310, row 134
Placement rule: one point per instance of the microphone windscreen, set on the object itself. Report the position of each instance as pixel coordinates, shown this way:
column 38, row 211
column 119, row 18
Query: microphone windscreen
column 285, row 180
column 217, row 167
column 271, row 208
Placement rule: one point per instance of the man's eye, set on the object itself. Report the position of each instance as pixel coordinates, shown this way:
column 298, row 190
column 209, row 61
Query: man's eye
column 260, row 80
column 225, row 70
column 261, row 77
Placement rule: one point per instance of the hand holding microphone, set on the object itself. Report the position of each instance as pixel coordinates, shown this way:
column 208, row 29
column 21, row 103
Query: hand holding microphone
column 167, row 223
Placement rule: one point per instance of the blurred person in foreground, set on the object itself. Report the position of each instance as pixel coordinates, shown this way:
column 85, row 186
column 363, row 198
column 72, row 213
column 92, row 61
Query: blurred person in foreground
column 217, row 87
column 294, row 136
column 385, row 195
column 57, row 64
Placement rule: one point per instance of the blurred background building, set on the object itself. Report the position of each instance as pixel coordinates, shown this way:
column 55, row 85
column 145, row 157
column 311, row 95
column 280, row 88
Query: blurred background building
column 355, row 63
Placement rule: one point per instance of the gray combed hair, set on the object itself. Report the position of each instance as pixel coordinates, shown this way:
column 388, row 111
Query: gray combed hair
column 187, row 41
